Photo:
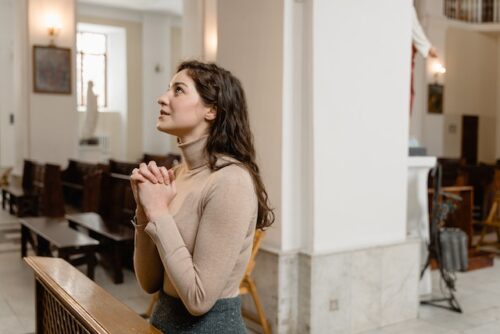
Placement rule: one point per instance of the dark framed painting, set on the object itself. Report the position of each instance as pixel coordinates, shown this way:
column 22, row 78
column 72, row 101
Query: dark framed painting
column 51, row 70
column 435, row 99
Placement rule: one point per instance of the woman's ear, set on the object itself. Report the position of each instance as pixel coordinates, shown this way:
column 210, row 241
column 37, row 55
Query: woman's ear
column 211, row 114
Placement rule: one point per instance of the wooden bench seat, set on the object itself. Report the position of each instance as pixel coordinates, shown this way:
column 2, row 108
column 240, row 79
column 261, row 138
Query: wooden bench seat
column 56, row 233
column 93, row 222
column 114, row 236
column 21, row 201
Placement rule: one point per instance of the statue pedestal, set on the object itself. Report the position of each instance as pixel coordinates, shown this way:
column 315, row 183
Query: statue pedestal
column 94, row 153
column 417, row 225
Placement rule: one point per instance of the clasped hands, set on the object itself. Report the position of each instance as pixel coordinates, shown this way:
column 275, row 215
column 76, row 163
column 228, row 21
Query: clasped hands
column 154, row 188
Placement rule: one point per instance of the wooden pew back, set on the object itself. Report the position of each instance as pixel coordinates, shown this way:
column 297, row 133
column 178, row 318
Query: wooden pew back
column 63, row 304
column 82, row 184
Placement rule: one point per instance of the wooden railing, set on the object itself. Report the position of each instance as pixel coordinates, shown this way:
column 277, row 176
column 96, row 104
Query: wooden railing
column 474, row 11
column 68, row 302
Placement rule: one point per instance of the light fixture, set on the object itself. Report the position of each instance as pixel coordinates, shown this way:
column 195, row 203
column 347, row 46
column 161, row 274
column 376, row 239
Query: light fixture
column 53, row 24
column 438, row 69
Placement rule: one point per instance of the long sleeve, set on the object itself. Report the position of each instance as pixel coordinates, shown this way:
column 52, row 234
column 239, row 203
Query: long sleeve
column 418, row 36
column 227, row 223
column 147, row 263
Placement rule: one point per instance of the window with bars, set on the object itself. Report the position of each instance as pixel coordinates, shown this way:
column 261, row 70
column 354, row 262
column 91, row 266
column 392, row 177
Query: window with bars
column 91, row 65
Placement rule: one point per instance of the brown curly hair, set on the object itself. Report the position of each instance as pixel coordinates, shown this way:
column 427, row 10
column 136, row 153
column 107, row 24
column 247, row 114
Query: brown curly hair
column 229, row 132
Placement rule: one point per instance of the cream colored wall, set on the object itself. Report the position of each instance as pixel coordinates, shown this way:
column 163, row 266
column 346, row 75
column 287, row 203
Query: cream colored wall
column 52, row 118
column 131, row 141
column 429, row 128
column 192, row 33
column 471, row 86
column 176, row 58
column 250, row 44
column 471, row 89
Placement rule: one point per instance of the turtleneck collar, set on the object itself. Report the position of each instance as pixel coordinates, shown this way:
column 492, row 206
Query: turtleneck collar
column 193, row 152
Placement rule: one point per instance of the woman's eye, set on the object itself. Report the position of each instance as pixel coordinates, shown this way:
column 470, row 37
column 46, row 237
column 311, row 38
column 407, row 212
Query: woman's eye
column 178, row 90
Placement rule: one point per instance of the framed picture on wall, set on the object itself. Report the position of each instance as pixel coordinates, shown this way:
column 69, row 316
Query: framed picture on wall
column 435, row 102
column 51, row 70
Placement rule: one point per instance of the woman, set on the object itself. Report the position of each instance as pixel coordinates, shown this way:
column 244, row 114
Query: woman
column 195, row 224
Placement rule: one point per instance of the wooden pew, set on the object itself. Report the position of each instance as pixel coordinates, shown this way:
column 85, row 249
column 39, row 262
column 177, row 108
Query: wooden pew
column 168, row 161
column 68, row 302
column 117, row 201
column 482, row 178
column 113, row 237
column 40, row 194
column 20, row 199
column 121, row 167
column 111, row 224
column 55, row 233
column 81, row 185
column 50, row 195
column 453, row 173
column 126, row 167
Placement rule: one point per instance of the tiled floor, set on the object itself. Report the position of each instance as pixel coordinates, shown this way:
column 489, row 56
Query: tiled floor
column 478, row 294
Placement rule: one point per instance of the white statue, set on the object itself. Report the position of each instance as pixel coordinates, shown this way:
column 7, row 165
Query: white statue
column 91, row 114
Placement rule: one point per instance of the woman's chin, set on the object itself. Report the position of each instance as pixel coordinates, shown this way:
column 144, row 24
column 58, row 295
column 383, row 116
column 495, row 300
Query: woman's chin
column 162, row 128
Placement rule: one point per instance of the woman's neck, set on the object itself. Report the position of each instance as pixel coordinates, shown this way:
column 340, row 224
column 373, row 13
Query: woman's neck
column 191, row 137
column 194, row 153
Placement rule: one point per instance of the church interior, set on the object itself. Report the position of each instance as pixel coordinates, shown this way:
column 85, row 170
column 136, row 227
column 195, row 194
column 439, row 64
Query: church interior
column 376, row 127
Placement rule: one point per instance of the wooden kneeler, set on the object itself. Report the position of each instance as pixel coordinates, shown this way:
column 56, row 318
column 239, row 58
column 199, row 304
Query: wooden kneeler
column 247, row 286
column 491, row 222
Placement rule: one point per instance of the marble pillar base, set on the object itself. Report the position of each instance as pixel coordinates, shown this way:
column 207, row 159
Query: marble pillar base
column 347, row 292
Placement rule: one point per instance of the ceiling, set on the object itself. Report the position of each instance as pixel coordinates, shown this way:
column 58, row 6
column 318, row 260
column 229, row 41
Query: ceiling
column 165, row 6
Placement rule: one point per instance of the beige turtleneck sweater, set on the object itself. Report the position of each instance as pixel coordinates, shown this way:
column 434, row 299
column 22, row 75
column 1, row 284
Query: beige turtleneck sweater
column 200, row 251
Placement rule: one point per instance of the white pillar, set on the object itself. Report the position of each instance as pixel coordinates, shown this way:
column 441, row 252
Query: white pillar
column 327, row 83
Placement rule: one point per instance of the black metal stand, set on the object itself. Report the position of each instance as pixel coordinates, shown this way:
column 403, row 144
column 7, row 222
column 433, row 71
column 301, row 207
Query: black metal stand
column 451, row 300
column 439, row 213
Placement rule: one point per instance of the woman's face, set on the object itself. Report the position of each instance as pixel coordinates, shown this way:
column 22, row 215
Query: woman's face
column 182, row 112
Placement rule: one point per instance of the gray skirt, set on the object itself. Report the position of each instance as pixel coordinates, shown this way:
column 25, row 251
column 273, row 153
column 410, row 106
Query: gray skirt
column 171, row 316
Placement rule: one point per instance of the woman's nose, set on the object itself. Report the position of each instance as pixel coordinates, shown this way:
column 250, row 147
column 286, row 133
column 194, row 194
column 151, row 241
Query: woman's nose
column 163, row 100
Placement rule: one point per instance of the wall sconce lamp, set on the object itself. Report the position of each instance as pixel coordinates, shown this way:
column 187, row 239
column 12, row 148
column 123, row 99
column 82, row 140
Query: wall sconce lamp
column 438, row 70
column 54, row 26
